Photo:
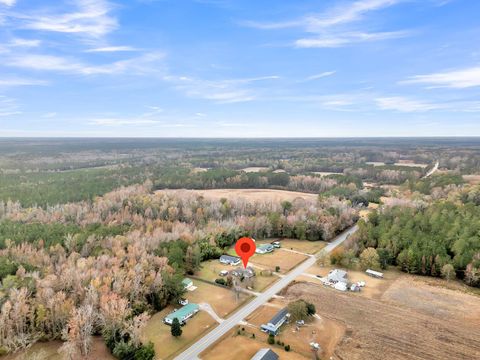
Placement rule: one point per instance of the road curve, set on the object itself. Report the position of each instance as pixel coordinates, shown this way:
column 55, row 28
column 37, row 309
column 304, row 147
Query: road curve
column 202, row 344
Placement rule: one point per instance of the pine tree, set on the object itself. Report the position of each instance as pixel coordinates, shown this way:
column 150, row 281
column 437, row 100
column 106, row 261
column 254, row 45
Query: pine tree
column 176, row 329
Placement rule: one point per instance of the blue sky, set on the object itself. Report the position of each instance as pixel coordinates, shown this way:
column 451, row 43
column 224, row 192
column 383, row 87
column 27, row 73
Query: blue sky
column 239, row 68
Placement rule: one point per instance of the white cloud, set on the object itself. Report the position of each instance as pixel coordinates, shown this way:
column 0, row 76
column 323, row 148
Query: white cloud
column 138, row 65
column 348, row 38
column 8, row 106
column 321, row 75
column 111, row 49
column 49, row 115
column 220, row 91
column 121, row 122
column 90, row 18
column 403, row 104
column 458, row 79
column 10, row 82
column 8, row 2
column 332, row 28
column 17, row 42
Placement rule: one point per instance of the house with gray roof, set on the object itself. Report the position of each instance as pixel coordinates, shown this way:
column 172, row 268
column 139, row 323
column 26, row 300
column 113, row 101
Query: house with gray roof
column 276, row 322
column 337, row 276
column 230, row 260
column 265, row 354
column 241, row 272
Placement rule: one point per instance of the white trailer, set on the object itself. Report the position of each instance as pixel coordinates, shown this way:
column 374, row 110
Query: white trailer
column 374, row 273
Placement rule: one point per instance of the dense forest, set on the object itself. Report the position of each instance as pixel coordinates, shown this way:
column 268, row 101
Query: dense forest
column 427, row 240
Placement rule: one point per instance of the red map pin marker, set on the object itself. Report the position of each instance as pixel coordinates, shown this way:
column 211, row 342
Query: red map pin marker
column 245, row 247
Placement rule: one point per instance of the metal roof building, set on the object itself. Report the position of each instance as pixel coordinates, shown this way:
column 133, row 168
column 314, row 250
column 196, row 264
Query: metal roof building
column 275, row 322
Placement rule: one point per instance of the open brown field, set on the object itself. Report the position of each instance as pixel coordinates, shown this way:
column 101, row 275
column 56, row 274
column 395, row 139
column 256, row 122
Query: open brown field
column 49, row 351
column 166, row 346
column 304, row 246
column 247, row 194
column 255, row 169
column 287, row 260
column 472, row 179
column 412, row 320
column 222, row 300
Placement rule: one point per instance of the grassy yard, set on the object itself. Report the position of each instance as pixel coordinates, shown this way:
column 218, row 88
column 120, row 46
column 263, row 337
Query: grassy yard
column 222, row 300
column 166, row 346
column 285, row 259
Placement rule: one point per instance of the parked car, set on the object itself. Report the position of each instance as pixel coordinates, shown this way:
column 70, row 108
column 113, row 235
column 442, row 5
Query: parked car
column 276, row 244
column 223, row 273
column 183, row 302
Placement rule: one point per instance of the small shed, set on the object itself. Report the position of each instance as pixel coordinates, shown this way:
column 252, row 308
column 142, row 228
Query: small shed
column 374, row 273
column 187, row 283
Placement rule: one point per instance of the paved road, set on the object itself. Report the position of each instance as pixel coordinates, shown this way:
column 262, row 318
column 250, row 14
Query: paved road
column 198, row 347
column 432, row 171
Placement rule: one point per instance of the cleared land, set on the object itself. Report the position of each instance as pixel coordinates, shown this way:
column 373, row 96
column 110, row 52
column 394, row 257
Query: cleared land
column 287, row 260
column 412, row 320
column 472, row 179
column 222, row 300
column 166, row 346
column 326, row 173
column 49, row 351
column 255, row 169
column 304, row 246
column 247, row 194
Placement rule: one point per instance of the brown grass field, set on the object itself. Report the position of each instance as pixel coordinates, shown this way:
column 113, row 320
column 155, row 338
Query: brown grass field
column 304, row 246
column 412, row 319
column 222, row 300
column 166, row 346
column 472, row 179
column 247, row 194
column 285, row 259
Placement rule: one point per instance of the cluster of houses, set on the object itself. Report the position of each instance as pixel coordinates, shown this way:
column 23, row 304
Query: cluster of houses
column 338, row 279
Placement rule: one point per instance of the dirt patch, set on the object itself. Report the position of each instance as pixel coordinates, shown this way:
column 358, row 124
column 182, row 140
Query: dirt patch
column 247, row 194
column 379, row 330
